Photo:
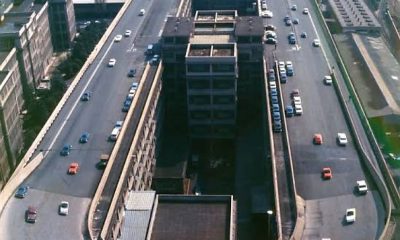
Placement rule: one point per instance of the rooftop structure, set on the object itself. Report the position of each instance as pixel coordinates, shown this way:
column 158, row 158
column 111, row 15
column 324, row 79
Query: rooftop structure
column 178, row 217
column 354, row 16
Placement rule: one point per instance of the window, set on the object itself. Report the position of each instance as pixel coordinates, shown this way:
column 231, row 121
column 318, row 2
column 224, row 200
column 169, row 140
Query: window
column 224, row 99
column 224, row 114
column 223, row 67
column 199, row 84
column 198, row 67
column 199, row 100
column 224, row 84
column 200, row 115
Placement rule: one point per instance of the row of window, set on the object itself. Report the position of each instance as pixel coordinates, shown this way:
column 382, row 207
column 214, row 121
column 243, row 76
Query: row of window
column 211, row 84
column 207, row 114
column 207, row 99
column 205, row 67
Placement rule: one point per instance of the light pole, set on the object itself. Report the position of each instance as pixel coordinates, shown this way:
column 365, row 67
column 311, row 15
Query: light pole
column 270, row 213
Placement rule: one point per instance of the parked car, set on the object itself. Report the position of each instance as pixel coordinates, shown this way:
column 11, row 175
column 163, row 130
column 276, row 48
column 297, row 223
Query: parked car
column 270, row 34
column 273, row 92
column 132, row 72
column 342, row 139
column 84, row 137
column 135, row 85
column 112, row 62
column 63, row 208
column 294, row 93
column 86, row 96
column 128, row 33
column 271, row 74
column 103, row 161
column 275, row 107
column 289, row 111
column 271, row 41
column 298, row 109
column 31, row 214
column 127, row 105
column 317, row 139
column 66, row 150
column 276, row 116
column 22, row 191
column 267, row 14
column 269, row 27
column 327, row 173
column 277, row 126
column 73, row 168
column 350, row 215
column 362, row 187
column 274, row 99
column 297, row 100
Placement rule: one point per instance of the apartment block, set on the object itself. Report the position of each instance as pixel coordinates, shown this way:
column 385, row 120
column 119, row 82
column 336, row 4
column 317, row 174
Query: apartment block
column 204, row 57
column 244, row 7
column 27, row 28
column 11, row 103
column 62, row 24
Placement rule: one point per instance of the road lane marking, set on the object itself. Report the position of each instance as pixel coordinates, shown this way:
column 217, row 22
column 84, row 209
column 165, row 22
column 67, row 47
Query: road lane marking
column 131, row 48
column 77, row 100
column 321, row 45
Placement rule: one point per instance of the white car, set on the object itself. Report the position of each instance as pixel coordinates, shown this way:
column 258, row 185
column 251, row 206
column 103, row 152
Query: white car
column 112, row 62
column 289, row 64
column 350, row 215
column 316, row 42
column 297, row 100
column 281, row 64
column 63, row 209
column 142, row 12
column 305, row 10
column 342, row 139
column 328, row 80
column 272, row 85
column 362, row 187
column 128, row 33
column 132, row 93
column 118, row 38
column 267, row 14
column 298, row 109
column 282, row 71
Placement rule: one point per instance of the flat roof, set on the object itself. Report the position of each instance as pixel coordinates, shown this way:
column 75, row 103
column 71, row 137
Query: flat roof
column 178, row 26
column 211, row 50
column 193, row 217
column 354, row 15
column 210, row 39
column 215, row 15
column 249, row 26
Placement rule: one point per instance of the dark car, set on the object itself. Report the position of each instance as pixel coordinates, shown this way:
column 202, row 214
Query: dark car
column 21, row 192
column 288, row 22
column 273, row 92
column 303, row 35
column 276, row 116
column 270, row 27
column 84, row 138
column 296, row 21
column 86, row 96
column 271, row 41
column 132, row 73
column 277, row 127
column 289, row 111
column 31, row 214
column 271, row 74
column 127, row 105
column 274, row 99
column 66, row 150
column 286, row 18
column 292, row 38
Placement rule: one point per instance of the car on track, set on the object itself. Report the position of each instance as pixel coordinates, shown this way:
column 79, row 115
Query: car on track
column 267, row 14
column 128, row 33
column 305, row 11
column 303, row 35
column 316, row 42
column 294, row 7
column 22, row 191
column 118, row 38
column 84, row 137
column 102, row 164
column 328, row 80
column 274, row 99
column 31, row 214
column 65, row 151
column 142, row 12
column 327, row 173
column 362, row 187
column 288, row 22
column 317, row 139
column 350, row 215
column 296, row 21
column 63, row 208
column 73, row 168
column 112, row 62
column 342, row 139
column 86, row 96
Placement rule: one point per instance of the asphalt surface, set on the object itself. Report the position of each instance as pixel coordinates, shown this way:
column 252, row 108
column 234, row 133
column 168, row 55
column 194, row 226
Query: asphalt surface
column 50, row 184
column 326, row 201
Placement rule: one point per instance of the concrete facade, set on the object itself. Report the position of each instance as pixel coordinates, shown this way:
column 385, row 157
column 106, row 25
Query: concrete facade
column 27, row 28
column 203, row 57
column 11, row 103
column 62, row 24
column 244, row 7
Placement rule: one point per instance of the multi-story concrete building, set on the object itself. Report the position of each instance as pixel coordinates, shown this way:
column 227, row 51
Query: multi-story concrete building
column 203, row 57
column 11, row 103
column 27, row 28
column 62, row 23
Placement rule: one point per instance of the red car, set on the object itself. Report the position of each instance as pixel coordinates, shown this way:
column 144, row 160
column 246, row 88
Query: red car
column 31, row 214
column 318, row 139
column 326, row 173
column 73, row 168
